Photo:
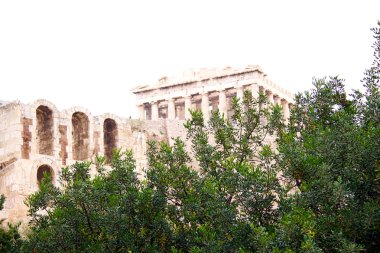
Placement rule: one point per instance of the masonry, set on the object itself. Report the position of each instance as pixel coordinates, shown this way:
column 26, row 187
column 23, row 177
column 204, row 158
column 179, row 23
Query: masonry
column 37, row 137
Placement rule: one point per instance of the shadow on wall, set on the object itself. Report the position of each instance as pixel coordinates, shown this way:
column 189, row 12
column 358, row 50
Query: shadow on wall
column 110, row 137
column 81, row 135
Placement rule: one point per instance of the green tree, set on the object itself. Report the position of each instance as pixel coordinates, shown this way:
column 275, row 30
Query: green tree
column 231, row 196
column 331, row 152
column 108, row 213
column 10, row 240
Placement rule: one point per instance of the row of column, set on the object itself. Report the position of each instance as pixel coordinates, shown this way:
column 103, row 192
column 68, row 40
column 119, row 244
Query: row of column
column 205, row 104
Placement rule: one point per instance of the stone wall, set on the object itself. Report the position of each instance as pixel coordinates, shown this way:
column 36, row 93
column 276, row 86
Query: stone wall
column 11, row 130
column 37, row 137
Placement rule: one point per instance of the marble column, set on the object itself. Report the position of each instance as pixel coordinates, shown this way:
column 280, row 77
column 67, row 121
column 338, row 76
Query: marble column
column 285, row 111
column 154, row 111
column 141, row 109
column 269, row 95
column 240, row 92
column 222, row 103
column 187, row 107
column 205, row 106
column 277, row 99
column 171, row 109
column 255, row 89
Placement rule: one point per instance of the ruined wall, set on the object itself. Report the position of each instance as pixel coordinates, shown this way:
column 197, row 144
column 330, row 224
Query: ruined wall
column 11, row 129
column 37, row 137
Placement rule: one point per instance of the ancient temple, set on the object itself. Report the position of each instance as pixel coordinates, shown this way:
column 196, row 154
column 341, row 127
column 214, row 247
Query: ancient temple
column 207, row 90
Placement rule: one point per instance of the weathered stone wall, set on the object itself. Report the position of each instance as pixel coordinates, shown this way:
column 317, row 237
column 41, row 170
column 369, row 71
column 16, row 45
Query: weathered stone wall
column 36, row 137
column 11, row 130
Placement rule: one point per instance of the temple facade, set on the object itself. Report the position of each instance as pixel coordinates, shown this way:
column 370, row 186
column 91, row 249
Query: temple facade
column 206, row 90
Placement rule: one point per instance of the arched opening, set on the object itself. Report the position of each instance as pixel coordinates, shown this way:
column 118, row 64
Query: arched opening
column 44, row 170
column 110, row 137
column 45, row 126
column 81, row 138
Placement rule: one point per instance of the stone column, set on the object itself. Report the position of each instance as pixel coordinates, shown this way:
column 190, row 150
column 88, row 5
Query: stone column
column 255, row 89
column 269, row 94
column 222, row 103
column 187, row 107
column 171, row 109
column 141, row 109
column 285, row 111
column 277, row 99
column 205, row 106
column 240, row 92
column 154, row 110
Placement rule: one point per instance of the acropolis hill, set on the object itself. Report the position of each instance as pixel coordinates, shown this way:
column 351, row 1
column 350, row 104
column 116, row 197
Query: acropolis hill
column 36, row 137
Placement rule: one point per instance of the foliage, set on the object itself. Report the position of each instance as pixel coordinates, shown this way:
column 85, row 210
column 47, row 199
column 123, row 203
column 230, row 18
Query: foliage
column 108, row 213
column 10, row 240
column 224, row 202
column 227, row 201
column 331, row 152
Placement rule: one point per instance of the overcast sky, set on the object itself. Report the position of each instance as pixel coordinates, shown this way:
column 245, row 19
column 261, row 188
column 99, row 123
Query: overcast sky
column 91, row 53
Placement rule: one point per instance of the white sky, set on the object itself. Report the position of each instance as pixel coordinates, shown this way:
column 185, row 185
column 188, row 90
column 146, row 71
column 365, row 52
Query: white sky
column 91, row 53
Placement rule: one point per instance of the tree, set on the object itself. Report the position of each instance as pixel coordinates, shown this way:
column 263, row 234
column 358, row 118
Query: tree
column 218, row 205
column 330, row 152
column 111, row 212
column 10, row 240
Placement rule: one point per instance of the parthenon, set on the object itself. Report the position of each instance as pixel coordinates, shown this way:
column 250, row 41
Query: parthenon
column 206, row 90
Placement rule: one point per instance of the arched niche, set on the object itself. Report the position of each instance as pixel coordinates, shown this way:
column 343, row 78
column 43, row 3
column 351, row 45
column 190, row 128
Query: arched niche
column 110, row 133
column 42, row 170
column 45, row 130
column 80, row 136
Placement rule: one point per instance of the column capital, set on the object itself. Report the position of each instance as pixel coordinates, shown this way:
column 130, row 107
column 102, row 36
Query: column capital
column 284, row 101
column 276, row 99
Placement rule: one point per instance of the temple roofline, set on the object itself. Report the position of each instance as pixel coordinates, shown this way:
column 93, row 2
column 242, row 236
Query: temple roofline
column 188, row 77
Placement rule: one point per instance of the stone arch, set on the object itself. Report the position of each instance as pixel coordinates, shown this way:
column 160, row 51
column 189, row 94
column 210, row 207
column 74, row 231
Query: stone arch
column 46, row 103
column 42, row 170
column 45, row 130
column 110, row 136
column 55, row 168
column 116, row 118
column 80, row 135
